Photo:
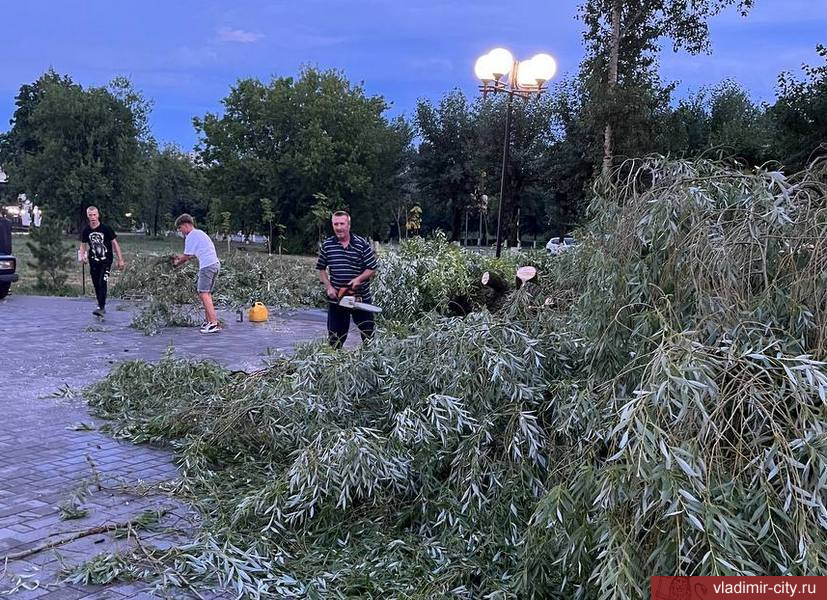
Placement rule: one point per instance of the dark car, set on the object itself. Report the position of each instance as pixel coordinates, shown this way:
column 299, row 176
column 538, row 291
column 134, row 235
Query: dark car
column 8, row 263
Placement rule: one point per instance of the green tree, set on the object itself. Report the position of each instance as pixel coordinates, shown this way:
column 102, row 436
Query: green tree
column 445, row 162
column 71, row 147
column 622, row 45
column 267, row 216
column 528, row 180
column 738, row 126
column 226, row 227
column 214, row 218
column 174, row 186
column 291, row 139
column 138, row 186
column 321, row 212
column 721, row 119
column 571, row 163
column 799, row 115
column 280, row 231
column 139, row 107
column 687, row 126
column 51, row 254
column 21, row 140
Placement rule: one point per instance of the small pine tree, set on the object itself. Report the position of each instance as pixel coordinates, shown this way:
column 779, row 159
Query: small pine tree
column 321, row 212
column 51, row 254
column 267, row 216
column 226, row 224
column 280, row 231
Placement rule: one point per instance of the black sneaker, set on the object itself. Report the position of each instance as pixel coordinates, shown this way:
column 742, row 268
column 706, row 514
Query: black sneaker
column 99, row 312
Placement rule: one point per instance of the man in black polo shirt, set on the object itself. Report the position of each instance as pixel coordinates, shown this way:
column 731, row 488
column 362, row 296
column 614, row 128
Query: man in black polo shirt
column 352, row 263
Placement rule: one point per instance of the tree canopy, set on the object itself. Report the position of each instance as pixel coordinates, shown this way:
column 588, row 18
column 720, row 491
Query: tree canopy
column 71, row 147
column 319, row 142
column 293, row 138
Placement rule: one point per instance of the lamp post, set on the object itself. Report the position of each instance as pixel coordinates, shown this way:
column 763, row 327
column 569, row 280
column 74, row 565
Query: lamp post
column 500, row 73
column 3, row 179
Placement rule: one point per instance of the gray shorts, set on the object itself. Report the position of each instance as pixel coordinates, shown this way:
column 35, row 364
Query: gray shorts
column 207, row 277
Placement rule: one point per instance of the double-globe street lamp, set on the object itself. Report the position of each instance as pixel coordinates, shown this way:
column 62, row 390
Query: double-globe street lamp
column 501, row 73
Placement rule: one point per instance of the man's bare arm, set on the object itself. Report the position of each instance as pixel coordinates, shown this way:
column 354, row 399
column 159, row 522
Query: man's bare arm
column 117, row 248
column 364, row 276
column 180, row 259
column 328, row 287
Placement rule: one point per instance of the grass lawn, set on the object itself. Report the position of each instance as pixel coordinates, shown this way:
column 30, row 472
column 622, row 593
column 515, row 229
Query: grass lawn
column 132, row 245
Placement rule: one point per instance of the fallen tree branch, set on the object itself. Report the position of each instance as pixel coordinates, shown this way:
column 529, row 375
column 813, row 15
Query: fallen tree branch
column 71, row 538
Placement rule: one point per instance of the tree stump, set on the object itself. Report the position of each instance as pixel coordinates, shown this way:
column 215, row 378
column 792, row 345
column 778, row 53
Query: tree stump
column 525, row 274
column 494, row 281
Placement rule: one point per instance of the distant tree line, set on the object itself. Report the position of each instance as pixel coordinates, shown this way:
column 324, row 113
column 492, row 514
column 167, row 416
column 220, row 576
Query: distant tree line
column 285, row 153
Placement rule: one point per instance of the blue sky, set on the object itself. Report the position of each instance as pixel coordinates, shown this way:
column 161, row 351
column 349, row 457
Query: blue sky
column 185, row 54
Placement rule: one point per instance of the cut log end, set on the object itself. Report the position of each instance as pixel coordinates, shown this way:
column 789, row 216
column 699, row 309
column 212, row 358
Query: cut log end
column 525, row 274
column 494, row 281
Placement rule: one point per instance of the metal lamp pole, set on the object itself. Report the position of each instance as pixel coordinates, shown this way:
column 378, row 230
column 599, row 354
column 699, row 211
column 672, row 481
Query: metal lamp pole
column 500, row 73
column 506, row 147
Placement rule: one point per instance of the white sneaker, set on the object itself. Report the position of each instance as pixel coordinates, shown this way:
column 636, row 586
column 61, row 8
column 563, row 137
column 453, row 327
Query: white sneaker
column 211, row 328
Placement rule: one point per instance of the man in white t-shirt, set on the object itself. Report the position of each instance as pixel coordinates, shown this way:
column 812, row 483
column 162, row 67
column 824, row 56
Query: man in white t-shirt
column 198, row 244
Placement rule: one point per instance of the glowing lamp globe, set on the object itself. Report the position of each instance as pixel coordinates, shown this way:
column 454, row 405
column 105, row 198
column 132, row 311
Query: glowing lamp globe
column 527, row 74
column 483, row 69
column 501, row 61
column 545, row 67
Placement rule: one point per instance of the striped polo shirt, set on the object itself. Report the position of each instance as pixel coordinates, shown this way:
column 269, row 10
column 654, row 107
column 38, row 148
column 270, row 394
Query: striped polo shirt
column 344, row 264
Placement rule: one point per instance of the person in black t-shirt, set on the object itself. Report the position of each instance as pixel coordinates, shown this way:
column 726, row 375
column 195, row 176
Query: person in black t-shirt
column 97, row 241
column 351, row 263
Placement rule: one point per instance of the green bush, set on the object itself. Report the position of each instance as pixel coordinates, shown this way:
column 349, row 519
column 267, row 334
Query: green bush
column 432, row 274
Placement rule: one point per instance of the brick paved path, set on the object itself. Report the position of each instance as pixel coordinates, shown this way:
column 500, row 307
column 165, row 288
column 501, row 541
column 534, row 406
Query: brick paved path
column 48, row 344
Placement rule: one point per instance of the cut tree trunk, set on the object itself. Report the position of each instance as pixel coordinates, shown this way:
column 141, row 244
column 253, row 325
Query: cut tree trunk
column 494, row 281
column 525, row 274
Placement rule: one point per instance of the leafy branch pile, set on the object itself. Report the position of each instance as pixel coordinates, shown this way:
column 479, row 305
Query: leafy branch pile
column 337, row 466
column 169, row 292
column 432, row 274
column 698, row 442
column 424, row 275
column 728, row 255
column 655, row 404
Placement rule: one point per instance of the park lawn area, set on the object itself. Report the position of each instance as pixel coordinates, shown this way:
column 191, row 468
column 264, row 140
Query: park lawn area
column 132, row 246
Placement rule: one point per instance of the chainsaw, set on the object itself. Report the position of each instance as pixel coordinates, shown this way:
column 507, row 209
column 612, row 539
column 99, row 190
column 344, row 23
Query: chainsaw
column 348, row 299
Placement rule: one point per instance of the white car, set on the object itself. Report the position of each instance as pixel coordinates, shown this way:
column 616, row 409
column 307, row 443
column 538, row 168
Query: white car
column 555, row 245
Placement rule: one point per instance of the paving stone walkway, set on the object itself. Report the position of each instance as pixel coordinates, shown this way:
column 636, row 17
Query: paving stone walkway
column 53, row 344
